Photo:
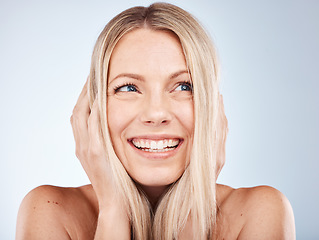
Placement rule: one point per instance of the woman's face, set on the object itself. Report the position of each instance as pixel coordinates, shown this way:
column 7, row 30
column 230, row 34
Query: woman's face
column 150, row 106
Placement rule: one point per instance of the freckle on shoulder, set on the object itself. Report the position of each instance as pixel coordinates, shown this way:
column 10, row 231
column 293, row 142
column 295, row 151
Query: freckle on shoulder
column 40, row 213
column 49, row 209
column 47, row 198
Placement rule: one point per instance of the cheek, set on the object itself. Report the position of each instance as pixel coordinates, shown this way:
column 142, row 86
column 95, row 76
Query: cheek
column 120, row 115
column 117, row 117
column 185, row 113
column 113, row 120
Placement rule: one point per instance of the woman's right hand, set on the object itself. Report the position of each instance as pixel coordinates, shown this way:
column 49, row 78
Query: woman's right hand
column 89, row 146
column 113, row 222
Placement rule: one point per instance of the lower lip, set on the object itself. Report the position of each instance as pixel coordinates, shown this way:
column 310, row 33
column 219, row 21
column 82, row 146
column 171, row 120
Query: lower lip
column 157, row 155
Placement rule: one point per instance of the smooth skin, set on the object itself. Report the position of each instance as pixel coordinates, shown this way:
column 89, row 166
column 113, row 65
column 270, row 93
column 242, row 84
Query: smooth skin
column 150, row 98
column 148, row 82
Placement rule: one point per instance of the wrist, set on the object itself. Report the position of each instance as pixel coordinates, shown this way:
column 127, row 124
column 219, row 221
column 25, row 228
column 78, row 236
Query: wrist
column 113, row 223
column 113, row 208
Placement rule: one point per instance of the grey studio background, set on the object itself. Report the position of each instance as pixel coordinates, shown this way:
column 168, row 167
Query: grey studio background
column 269, row 57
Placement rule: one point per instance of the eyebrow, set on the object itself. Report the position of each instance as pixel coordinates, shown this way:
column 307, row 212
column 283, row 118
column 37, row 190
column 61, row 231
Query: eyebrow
column 140, row 78
column 128, row 75
column 175, row 75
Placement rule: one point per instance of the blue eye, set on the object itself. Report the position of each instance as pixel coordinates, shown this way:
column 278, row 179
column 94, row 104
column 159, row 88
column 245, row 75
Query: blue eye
column 185, row 86
column 126, row 88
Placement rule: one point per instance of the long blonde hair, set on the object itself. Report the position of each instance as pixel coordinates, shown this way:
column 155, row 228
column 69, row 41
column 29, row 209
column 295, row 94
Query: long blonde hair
column 193, row 195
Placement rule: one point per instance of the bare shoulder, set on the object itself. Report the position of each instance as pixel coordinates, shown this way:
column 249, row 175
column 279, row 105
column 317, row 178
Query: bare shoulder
column 59, row 213
column 259, row 212
column 269, row 214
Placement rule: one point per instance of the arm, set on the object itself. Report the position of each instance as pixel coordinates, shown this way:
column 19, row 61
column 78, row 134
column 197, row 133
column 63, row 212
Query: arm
column 269, row 216
column 113, row 222
column 49, row 212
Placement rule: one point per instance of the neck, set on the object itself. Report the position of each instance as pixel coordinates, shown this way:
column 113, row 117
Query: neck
column 154, row 193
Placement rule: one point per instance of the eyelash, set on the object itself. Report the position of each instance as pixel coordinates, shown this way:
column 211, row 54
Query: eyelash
column 118, row 87
column 188, row 83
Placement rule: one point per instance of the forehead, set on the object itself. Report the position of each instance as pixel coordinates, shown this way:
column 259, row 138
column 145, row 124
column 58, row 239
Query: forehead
column 146, row 49
column 145, row 37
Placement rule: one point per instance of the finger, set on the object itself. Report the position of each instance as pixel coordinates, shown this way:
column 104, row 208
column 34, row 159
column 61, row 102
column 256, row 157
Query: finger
column 94, row 130
column 80, row 133
column 84, row 89
column 80, row 114
column 222, row 118
column 97, row 153
column 82, row 105
column 79, row 120
column 221, row 103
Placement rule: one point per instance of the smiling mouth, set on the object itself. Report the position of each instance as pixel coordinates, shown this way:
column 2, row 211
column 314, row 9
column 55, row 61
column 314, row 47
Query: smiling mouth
column 148, row 145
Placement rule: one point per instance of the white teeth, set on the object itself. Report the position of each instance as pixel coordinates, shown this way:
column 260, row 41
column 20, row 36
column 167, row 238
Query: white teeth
column 157, row 150
column 155, row 146
column 160, row 145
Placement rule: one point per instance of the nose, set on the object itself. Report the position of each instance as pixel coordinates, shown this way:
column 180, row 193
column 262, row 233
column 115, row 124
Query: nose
column 156, row 111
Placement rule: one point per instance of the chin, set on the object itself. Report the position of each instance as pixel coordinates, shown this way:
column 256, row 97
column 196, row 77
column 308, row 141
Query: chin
column 156, row 177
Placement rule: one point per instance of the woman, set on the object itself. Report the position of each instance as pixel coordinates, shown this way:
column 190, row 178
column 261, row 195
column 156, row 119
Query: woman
column 150, row 132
